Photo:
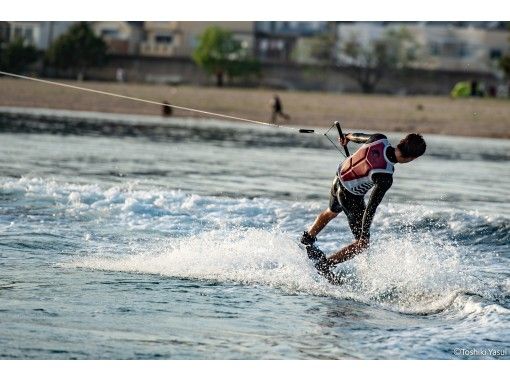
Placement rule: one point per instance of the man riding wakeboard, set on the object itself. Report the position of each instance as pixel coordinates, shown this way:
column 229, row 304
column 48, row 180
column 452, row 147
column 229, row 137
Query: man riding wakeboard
column 371, row 166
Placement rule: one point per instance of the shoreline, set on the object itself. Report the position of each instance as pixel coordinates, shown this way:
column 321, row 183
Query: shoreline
column 470, row 117
column 70, row 122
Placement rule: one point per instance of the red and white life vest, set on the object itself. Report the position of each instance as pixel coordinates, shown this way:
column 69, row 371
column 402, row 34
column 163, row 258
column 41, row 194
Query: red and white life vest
column 355, row 173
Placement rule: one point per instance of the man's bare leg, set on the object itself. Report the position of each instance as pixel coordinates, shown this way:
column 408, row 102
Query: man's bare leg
column 348, row 252
column 321, row 221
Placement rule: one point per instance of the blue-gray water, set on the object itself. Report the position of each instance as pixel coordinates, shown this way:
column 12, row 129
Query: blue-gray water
column 184, row 245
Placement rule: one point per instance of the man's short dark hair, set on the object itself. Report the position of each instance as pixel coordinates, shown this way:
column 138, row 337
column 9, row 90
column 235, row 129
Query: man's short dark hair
column 413, row 145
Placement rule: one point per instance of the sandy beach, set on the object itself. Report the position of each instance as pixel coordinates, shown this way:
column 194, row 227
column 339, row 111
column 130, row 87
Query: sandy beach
column 424, row 114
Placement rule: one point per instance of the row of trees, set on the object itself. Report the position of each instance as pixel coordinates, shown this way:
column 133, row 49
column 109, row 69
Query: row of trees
column 219, row 54
column 77, row 50
column 225, row 58
column 16, row 56
column 394, row 52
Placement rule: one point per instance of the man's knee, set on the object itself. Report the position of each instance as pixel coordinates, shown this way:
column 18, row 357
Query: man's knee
column 355, row 225
column 358, row 234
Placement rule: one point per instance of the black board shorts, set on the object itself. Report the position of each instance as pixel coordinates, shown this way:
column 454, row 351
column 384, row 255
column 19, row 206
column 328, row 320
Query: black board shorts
column 352, row 205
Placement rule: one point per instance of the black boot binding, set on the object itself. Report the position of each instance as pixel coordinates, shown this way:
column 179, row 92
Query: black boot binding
column 322, row 265
column 307, row 239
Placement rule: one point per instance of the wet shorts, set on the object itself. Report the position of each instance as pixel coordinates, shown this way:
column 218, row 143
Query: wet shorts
column 353, row 205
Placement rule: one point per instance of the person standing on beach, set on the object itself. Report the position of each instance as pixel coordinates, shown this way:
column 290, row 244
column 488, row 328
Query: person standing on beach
column 277, row 109
column 120, row 75
column 371, row 166
column 166, row 109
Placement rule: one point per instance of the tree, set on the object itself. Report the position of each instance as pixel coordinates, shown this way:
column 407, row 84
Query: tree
column 78, row 49
column 395, row 51
column 17, row 55
column 317, row 49
column 219, row 53
column 323, row 48
column 504, row 64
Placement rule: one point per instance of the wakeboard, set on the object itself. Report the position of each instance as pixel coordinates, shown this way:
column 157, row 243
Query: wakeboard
column 319, row 260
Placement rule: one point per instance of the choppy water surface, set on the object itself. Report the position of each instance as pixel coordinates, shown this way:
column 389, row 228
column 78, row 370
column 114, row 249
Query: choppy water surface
column 184, row 245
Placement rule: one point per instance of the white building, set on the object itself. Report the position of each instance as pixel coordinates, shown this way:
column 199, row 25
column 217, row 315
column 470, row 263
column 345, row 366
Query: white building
column 38, row 33
column 457, row 46
column 121, row 37
column 286, row 41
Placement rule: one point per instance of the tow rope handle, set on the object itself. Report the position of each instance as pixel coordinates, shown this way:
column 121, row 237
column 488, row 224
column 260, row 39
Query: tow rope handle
column 341, row 134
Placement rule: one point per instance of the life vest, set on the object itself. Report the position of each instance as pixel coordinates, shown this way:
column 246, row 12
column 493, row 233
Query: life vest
column 355, row 173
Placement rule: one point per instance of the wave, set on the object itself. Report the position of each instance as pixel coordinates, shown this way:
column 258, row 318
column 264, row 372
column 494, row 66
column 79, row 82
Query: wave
column 135, row 202
column 403, row 276
column 467, row 227
column 414, row 269
column 179, row 213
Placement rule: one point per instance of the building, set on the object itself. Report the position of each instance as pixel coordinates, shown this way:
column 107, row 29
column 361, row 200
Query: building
column 40, row 34
column 161, row 39
column 449, row 46
column 276, row 41
column 180, row 38
column 121, row 37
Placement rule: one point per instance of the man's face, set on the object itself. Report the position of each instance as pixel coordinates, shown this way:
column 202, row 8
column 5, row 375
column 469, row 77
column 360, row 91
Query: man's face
column 405, row 160
column 401, row 159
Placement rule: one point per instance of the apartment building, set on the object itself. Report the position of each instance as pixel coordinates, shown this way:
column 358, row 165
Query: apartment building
column 276, row 41
column 180, row 38
column 451, row 46
column 121, row 37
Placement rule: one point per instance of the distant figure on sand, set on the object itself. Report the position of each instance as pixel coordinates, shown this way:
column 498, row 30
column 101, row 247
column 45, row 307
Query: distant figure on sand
column 166, row 110
column 277, row 109
column 120, row 75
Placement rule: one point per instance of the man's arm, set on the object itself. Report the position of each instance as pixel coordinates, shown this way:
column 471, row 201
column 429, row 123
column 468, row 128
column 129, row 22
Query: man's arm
column 362, row 138
column 382, row 183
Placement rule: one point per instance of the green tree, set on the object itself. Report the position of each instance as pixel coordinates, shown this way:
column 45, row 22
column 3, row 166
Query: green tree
column 396, row 50
column 78, row 49
column 220, row 54
column 16, row 56
column 323, row 47
column 318, row 49
column 504, row 64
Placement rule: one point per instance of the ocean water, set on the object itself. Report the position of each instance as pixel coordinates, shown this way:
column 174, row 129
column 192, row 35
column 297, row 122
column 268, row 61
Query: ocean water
column 182, row 243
